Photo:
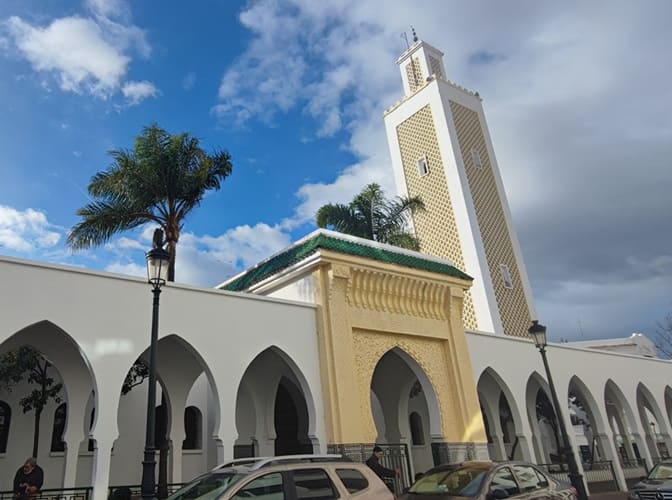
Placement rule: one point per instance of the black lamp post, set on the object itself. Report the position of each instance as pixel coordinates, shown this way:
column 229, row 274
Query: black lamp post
column 157, row 272
column 538, row 334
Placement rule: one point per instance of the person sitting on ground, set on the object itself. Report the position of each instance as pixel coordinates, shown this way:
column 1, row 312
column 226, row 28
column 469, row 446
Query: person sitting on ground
column 28, row 479
column 374, row 464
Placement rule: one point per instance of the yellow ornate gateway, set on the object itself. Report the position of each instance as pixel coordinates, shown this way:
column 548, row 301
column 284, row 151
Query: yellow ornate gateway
column 393, row 356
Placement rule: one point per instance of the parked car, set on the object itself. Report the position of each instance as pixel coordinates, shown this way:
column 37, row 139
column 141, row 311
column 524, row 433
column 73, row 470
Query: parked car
column 287, row 478
column 657, row 485
column 485, row 480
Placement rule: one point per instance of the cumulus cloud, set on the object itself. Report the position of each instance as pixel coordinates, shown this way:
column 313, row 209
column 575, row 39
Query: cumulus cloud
column 85, row 54
column 573, row 108
column 26, row 231
column 136, row 92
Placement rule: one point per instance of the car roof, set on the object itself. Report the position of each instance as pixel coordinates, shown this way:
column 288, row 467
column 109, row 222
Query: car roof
column 255, row 463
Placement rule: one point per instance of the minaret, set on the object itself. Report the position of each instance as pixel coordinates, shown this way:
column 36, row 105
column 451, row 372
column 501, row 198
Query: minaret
column 441, row 151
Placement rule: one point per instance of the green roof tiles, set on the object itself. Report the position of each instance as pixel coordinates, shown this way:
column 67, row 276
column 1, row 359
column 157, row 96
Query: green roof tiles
column 322, row 239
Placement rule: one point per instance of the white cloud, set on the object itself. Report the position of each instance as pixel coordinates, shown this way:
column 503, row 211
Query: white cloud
column 85, row 54
column 189, row 80
column 74, row 49
column 574, row 110
column 208, row 260
column 128, row 268
column 136, row 92
column 26, row 231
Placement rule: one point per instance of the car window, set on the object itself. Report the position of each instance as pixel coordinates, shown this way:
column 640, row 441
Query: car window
column 459, row 481
column 503, row 480
column 661, row 471
column 543, row 480
column 527, row 477
column 313, row 483
column 266, row 487
column 208, row 486
column 352, row 479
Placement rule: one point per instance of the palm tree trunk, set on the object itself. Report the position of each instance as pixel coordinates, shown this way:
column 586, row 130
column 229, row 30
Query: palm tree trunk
column 36, row 432
column 172, row 249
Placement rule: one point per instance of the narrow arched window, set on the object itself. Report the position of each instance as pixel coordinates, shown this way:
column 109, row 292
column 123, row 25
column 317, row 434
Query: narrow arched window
column 57, row 443
column 193, row 425
column 5, row 417
column 417, row 432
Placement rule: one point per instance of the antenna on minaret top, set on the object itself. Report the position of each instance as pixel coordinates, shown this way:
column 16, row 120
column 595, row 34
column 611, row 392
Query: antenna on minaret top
column 405, row 37
column 415, row 35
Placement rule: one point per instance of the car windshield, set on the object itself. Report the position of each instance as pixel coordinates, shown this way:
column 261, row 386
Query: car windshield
column 460, row 481
column 661, row 471
column 208, row 486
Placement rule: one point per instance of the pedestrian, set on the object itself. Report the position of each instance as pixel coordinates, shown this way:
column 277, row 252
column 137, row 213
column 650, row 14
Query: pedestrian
column 28, row 479
column 374, row 464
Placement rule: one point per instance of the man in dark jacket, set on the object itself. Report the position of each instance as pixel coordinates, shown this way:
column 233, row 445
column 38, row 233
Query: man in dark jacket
column 28, row 479
column 374, row 464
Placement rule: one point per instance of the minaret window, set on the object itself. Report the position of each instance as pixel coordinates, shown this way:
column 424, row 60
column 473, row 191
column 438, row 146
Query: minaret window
column 476, row 158
column 506, row 276
column 423, row 167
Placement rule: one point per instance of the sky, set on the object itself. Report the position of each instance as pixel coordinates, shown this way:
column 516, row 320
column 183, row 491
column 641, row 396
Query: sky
column 577, row 95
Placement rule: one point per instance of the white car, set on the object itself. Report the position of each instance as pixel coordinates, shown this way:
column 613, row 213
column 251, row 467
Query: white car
column 287, row 478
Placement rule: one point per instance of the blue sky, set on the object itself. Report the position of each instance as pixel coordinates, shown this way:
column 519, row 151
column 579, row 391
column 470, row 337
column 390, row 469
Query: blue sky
column 577, row 97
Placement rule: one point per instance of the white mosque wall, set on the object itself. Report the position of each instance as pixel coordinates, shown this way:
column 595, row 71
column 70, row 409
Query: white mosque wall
column 93, row 326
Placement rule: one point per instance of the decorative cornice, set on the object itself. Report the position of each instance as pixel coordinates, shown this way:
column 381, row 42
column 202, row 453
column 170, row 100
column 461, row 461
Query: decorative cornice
column 396, row 294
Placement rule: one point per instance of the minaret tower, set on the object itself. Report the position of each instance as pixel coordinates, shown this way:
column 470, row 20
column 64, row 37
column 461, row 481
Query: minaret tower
column 441, row 151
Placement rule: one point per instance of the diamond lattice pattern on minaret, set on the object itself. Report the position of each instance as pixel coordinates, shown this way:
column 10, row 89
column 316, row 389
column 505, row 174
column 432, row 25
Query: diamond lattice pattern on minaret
column 441, row 151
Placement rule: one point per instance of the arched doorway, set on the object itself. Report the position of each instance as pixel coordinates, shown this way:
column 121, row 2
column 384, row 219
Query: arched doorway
column 177, row 389
column 629, row 443
column 62, row 420
column 653, row 423
column 405, row 412
column 275, row 412
column 290, row 420
column 543, row 421
column 505, row 440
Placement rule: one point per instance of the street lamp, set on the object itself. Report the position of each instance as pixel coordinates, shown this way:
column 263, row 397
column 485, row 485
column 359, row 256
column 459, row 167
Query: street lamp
column 157, row 272
column 538, row 334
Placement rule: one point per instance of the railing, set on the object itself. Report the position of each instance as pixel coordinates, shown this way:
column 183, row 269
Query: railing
column 395, row 456
column 600, row 476
column 633, row 471
column 54, row 494
column 127, row 492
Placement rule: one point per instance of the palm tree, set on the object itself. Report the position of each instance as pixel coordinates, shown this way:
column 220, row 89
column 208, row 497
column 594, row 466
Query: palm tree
column 370, row 215
column 160, row 180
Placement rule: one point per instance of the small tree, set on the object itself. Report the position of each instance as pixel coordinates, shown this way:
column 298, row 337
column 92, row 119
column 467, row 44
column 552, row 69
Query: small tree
column 135, row 376
column 372, row 216
column 663, row 337
column 27, row 363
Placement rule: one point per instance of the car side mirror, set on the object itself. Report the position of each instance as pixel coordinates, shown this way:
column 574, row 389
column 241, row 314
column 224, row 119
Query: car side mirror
column 498, row 494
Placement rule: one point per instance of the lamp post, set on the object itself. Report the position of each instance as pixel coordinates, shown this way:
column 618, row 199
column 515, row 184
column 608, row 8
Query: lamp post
column 538, row 334
column 157, row 272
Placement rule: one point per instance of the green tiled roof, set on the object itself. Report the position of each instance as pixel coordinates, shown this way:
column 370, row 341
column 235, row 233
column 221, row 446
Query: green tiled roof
column 299, row 252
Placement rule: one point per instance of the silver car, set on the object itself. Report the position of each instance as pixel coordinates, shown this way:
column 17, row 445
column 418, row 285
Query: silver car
column 657, row 485
column 287, row 478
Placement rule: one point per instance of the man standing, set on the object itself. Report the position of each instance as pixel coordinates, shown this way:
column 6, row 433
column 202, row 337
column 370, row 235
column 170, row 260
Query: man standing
column 374, row 464
column 28, row 479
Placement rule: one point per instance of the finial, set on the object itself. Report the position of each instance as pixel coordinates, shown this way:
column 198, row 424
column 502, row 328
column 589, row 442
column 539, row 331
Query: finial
column 405, row 37
column 415, row 35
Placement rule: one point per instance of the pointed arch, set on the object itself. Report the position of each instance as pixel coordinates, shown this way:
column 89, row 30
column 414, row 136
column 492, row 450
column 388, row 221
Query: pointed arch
column 272, row 374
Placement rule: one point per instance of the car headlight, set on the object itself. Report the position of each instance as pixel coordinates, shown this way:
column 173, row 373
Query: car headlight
column 633, row 496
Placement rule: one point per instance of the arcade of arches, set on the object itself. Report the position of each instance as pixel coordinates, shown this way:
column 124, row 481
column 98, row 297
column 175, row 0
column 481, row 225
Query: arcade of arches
column 377, row 355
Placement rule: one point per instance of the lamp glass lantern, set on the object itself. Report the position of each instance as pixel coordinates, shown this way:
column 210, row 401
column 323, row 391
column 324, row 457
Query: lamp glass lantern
column 157, row 266
column 538, row 334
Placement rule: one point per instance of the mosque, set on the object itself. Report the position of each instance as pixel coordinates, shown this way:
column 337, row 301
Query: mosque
column 336, row 343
